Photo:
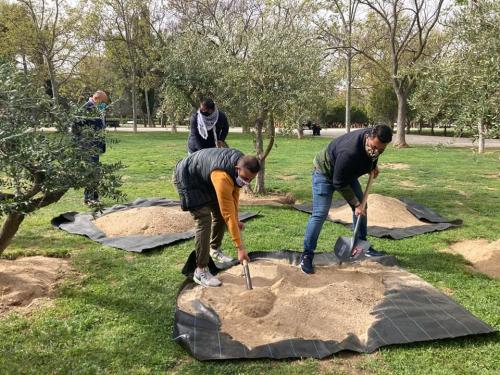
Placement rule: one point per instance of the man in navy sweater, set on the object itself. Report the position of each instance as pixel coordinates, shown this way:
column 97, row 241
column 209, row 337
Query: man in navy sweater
column 338, row 167
column 93, row 121
column 208, row 127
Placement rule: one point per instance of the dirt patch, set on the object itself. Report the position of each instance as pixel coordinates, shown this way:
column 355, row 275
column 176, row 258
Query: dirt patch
column 25, row 281
column 266, row 200
column 288, row 178
column 410, row 184
column 285, row 303
column 492, row 175
column 483, row 255
column 383, row 211
column 395, row 166
column 146, row 221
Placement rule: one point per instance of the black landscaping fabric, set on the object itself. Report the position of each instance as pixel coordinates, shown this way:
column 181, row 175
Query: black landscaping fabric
column 82, row 223
column 411, row 311
column 431, row 221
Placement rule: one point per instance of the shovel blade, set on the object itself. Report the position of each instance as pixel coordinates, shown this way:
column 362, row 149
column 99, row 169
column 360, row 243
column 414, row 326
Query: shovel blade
column 343, row 248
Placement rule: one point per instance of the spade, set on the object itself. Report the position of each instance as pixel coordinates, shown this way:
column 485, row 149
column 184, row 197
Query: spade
column 344, row 245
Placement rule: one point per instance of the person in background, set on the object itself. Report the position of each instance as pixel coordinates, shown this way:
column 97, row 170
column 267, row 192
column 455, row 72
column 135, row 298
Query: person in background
column 94, row 121
column 208, row 127
column 208, row 183
column 338, row 167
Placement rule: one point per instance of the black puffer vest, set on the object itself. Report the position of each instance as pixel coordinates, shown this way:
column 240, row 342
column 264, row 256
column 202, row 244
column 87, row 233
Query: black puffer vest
column 192, row 175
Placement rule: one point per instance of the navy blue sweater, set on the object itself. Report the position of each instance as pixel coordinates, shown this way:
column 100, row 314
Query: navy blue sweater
column 195, row 140
column 344, row 160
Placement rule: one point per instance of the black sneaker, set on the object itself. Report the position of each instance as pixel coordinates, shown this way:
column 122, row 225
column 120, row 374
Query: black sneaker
column 306, row 263
column 371, row 252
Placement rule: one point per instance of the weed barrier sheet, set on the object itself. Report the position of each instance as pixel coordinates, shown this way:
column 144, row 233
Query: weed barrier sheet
column 431, row 221
column 83, row 224
column 410, row 310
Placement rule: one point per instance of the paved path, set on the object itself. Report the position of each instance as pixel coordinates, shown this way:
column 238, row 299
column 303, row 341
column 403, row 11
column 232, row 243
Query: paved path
column 411, row 139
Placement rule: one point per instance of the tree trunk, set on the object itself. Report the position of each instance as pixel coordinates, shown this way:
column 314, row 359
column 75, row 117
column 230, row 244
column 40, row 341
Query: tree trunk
column 148, row 108
column 134, row 102
column 25, row 65
column 9, row 229
column 174, row 127
column 53, row 81
column 300, row 132
column 14, row 219
column 480, row 139
column 260, row 187
column 432, row 127
column 420, row 127
column 401, row 121
column 348, row 92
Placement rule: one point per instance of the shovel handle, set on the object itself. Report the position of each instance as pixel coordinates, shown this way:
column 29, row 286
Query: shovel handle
column 363, row 205
column 368, row 186
column 246, row 271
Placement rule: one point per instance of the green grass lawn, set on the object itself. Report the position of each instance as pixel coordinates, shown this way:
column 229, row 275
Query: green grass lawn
column 116, row 316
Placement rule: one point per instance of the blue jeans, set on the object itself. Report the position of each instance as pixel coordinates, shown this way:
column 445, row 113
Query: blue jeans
column 322, row 191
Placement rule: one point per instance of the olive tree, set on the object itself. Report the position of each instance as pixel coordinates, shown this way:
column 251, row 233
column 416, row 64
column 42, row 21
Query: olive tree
column 463, row 86
column 256, row 58
column 396, row 38
column 37, row 168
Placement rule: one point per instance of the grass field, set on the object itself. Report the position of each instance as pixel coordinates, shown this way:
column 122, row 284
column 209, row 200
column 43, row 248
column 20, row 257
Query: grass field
column 116, row 315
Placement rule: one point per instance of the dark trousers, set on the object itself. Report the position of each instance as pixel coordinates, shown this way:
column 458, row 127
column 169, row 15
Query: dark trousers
column 209, row 232
column 90, row 192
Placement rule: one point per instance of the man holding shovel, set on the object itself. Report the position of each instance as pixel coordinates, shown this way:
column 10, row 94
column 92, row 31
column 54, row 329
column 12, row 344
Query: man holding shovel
column 338, row 167
column 208, row 183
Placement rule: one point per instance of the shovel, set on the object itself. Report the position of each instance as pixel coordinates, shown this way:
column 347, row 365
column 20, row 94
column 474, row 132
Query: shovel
column 246, row 272
column 344, row 245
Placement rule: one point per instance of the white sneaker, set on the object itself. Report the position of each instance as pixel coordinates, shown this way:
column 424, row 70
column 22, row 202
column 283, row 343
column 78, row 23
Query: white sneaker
column 219, row 257
column 205, row 278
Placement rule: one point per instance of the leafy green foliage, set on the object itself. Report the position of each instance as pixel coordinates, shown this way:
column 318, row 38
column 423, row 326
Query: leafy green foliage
column 38, row 167
column 463, row 87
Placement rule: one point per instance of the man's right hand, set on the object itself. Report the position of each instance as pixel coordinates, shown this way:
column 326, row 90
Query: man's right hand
column 243, row 255
column 358, row 211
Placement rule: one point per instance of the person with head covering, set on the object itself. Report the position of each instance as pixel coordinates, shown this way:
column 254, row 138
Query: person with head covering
column 208, row 127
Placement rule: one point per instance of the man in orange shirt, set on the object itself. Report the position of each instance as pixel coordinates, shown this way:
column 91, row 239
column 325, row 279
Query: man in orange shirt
column 208, row 183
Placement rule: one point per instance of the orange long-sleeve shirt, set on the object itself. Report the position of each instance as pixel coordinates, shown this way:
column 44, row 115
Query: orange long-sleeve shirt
column 228, row 196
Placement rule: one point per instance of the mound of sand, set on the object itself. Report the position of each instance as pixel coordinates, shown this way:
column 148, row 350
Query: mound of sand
column 383, row 211
column 147, row 221
column 25, row 280
column 484, row 256
column 266, row 200
column 285, row 303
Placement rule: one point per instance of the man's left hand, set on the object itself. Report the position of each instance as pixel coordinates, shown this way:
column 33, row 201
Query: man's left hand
column 241, row 225
column 375, row 172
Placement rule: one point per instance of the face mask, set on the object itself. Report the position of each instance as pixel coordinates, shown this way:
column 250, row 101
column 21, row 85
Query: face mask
column 372, row 152
column 101, row 106
column 241, row 182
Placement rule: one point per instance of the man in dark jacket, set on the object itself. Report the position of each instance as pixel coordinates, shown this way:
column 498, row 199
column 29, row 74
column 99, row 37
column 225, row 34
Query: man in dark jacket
column 208, row 127
column 92, row 121
column 208, row 183
column 338, row 167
